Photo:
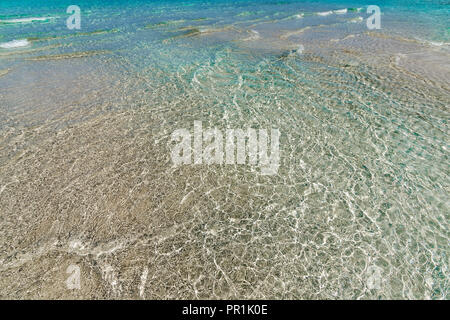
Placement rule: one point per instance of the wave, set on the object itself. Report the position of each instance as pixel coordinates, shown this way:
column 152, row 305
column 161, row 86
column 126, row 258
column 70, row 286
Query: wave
column 350, row 36
column 15, row 44
column 245, row 14
column 26, row 51
column 325, row 13
column 432, row 43
column 436, row 43
column 356, row 20
column 411, row 40
column 294, row 33
column 26, row 20
column 340, row 11
column 254, row 35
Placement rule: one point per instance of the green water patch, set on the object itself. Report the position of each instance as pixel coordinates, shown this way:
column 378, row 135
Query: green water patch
column 45, row 38
column 172, row 22
column 163, row 24
column 191, row 32
column 77, row 34
column 188, row 32
column 95, row 32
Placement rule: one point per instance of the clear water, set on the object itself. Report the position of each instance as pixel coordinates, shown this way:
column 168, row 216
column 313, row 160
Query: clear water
column 358, row 208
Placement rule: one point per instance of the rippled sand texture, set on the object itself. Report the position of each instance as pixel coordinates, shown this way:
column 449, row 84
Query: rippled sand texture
column 86, row 177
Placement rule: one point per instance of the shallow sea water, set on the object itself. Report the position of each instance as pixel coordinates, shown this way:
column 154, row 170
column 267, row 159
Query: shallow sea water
column 359, row 207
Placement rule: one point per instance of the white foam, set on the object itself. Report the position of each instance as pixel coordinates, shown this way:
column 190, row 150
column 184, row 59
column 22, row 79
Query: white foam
column 432, row 43
column 437, row 44
column 356, row 20
column 340, row 11
column 254, row 35
column 300, row 50
column 26, row 20
column 15, row 44
column 325, row 13
column 300, row 15
column 295, row 32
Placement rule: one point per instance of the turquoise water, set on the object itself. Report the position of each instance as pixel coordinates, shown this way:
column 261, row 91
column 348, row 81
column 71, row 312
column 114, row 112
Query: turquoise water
column 114, row 25
column 416, row 18
column 357, row 210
